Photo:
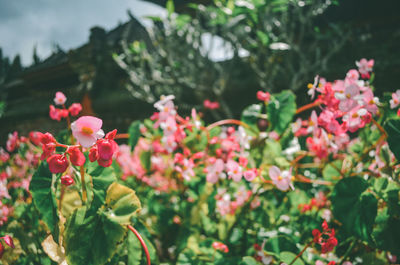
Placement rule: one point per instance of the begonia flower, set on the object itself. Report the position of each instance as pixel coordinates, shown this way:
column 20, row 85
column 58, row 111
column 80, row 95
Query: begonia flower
column 281, row 179
column 87, row 130
column 60, row 98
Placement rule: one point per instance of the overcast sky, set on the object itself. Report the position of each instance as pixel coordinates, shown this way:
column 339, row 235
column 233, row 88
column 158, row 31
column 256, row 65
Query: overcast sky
column 25, row 23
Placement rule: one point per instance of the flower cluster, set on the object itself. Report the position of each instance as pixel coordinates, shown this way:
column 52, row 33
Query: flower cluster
column 57, row 114
column 346, row 106
column 87, row 131
column 225, row 205
column 326, row 239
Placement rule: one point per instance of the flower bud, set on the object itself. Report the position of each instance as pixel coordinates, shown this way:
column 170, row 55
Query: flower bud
column 93, row 154
column 57, row 163
column 67, row 180
column 76, row 156
column 9, row 241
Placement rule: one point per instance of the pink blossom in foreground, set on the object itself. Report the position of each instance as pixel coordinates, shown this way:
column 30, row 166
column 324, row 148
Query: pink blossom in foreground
column 87, row 130
column 281, row 179
column 60, row 98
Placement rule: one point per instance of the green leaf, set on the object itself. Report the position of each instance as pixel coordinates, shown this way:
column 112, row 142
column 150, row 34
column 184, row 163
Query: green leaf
column 170, row 7
column 355, row 208
column 134, row 249
column 263, row 37
column 44, row 198
column 92, row 240
column 102, row 177
column 121, row 203
column 392, row 127
column 386, row 234
column 248, row 261
column 287, row 257
column 331, row 171
column 145, row 159
column 134, row 134
column 281, row 110
column 280, row 244
column 251, row 114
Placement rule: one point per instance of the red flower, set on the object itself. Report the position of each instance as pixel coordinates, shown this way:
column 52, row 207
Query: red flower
column 67, row 180
column 74, row 109
column 57, row 163
column 220, row 246
column 326, row 238
column 76, row 156
column 263, row 96
column 35, row 137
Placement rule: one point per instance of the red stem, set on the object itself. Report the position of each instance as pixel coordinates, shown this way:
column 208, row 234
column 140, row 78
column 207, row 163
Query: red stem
column 146, row 251
column 122, row 136
column 308, row 106
column 301, row 253
column 228, row 121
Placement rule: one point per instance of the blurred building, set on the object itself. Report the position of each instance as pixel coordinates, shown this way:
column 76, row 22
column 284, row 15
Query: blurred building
column 87, row 74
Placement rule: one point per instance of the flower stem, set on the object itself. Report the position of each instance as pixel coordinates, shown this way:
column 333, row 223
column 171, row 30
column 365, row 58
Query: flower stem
column 61, row 197
column 82, row 168
column 122, row 136
column 301, row 252
column 308, row 106
column 144, row 246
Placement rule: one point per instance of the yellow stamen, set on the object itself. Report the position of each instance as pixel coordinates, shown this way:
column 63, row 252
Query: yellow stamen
column 87, row 130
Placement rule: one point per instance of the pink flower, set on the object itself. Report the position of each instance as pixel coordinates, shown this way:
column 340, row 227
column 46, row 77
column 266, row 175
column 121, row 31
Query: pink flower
column 12, row 141
column 352, row 75
column 395, row 101
column 210, row 104
column 4, row 156
column 356, row 118
column 263, row 96
column 250, row 174
column 281, row 179
column 9, row 241
column 234, row 170
column 87, row 130
column 54, row 113
column 214, row 170
column 365, row 67
column 348, row 99
column 186, row 169
column 74, row 109
column 313, row 87
column 60, row 98
column 370, row 102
